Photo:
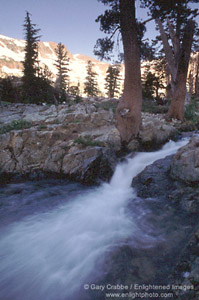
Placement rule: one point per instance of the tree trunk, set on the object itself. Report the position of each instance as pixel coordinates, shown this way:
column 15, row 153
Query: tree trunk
column 128, row 112
column 168, row 54
column 196, row 85
column 175, row 40
column 168, row 83
column 190, row 82
column 176, row 109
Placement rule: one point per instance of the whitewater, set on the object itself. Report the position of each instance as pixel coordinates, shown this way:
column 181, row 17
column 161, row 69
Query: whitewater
column 52, row 254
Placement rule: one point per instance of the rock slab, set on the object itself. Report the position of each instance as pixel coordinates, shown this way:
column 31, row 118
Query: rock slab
column 185, row 164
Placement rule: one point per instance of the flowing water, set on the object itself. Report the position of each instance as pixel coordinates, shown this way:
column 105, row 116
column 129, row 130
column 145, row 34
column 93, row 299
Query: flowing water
column 54, row 236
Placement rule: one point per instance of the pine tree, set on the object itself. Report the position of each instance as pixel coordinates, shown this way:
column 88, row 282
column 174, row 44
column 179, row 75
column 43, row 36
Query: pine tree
column 148, row 83
column 9, row 90
column 62, row 64
column 175, row 20
column 45, row 85
column 90, row 85
column 112, row 81
column 75, row 89
column 31, row 60
column 153, row 80
column 160, row 67
column 121, row 16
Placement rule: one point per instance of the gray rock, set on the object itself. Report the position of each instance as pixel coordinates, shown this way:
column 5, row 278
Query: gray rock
column 50, row 144
column 133, row 145
column 88, row 164
column 155, row 131
column 185, row 165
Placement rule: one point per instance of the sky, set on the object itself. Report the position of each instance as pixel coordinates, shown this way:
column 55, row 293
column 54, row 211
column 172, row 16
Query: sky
column 71, row 22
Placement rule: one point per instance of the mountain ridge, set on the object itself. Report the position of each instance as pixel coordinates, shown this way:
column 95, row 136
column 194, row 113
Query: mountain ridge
column 12, row 55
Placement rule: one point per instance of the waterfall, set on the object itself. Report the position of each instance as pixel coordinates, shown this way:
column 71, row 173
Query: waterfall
column 51, row 255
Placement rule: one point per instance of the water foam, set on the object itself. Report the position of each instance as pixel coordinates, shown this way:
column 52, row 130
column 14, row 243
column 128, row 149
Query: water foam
column 51, row 255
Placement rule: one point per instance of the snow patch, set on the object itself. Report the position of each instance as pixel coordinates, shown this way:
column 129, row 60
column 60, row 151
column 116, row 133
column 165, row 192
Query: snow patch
column 19, row 43
column 12, row 71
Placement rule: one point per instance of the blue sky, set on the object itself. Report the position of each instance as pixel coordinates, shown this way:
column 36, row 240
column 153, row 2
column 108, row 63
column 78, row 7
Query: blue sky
column 71, row 22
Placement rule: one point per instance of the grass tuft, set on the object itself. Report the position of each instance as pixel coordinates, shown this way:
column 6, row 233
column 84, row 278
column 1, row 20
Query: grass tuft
column 15, row 125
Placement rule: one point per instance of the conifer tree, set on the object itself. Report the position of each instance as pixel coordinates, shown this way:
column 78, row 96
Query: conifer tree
column 113, row 81
column 45, row 84
column 148, row 83
column 75, row 89
column 9, row 91
column 62, row 64
column 121, row 16
column 31, row 60
column 90, row 85
column 175, row 20
column 153, row 80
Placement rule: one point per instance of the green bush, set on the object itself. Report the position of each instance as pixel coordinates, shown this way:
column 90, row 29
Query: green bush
column 192, row 111
column 87, row 141
column 78, row 99
column 15, row 125
column 154, row 108
column 107, row 105
column 42, row 126
column 5, row 103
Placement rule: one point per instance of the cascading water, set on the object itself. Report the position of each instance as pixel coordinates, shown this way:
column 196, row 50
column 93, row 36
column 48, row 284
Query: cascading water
column 50, row 255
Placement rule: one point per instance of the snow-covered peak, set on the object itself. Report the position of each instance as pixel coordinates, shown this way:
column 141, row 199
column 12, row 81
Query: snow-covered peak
column 12, row 55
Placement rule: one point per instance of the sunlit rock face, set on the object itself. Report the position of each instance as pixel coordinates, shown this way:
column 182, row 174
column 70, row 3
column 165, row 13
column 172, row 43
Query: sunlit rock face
column 69, row 138
column 155, row 131
column 78, row 141
column 185, row 165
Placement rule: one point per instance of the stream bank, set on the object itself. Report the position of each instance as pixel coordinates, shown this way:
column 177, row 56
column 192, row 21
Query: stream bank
column 57, row 239
column 71, row 140
column 82, row 142
column 175, row 180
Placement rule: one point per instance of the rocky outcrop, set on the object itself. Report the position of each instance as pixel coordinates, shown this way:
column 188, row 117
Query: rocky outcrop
column 178, row 199
column 78, row 141
column 156, row 181
column 68, row 139
column 170, row 214
column 155, row 131
column 185, row 165
column 186, row 270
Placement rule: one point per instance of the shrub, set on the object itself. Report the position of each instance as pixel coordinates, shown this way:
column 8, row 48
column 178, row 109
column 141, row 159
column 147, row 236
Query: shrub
column 87, row 141
column 78, row 99
column 107, row 105
column 151, row 106
column 192, row 111
column 15, row 125
column 42, row 126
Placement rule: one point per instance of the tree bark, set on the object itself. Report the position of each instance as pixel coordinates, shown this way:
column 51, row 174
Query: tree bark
column 168, row 82
column 190, row 77
column 128, row 112
column 175, row 40
column 176, row 109
column 168, row 53
column 196, row 85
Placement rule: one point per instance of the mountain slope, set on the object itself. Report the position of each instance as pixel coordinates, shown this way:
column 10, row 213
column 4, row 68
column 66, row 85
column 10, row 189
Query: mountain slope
column 12, row 55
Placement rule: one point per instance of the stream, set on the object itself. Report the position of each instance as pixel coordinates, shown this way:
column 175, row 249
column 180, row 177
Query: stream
column 56, row 236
